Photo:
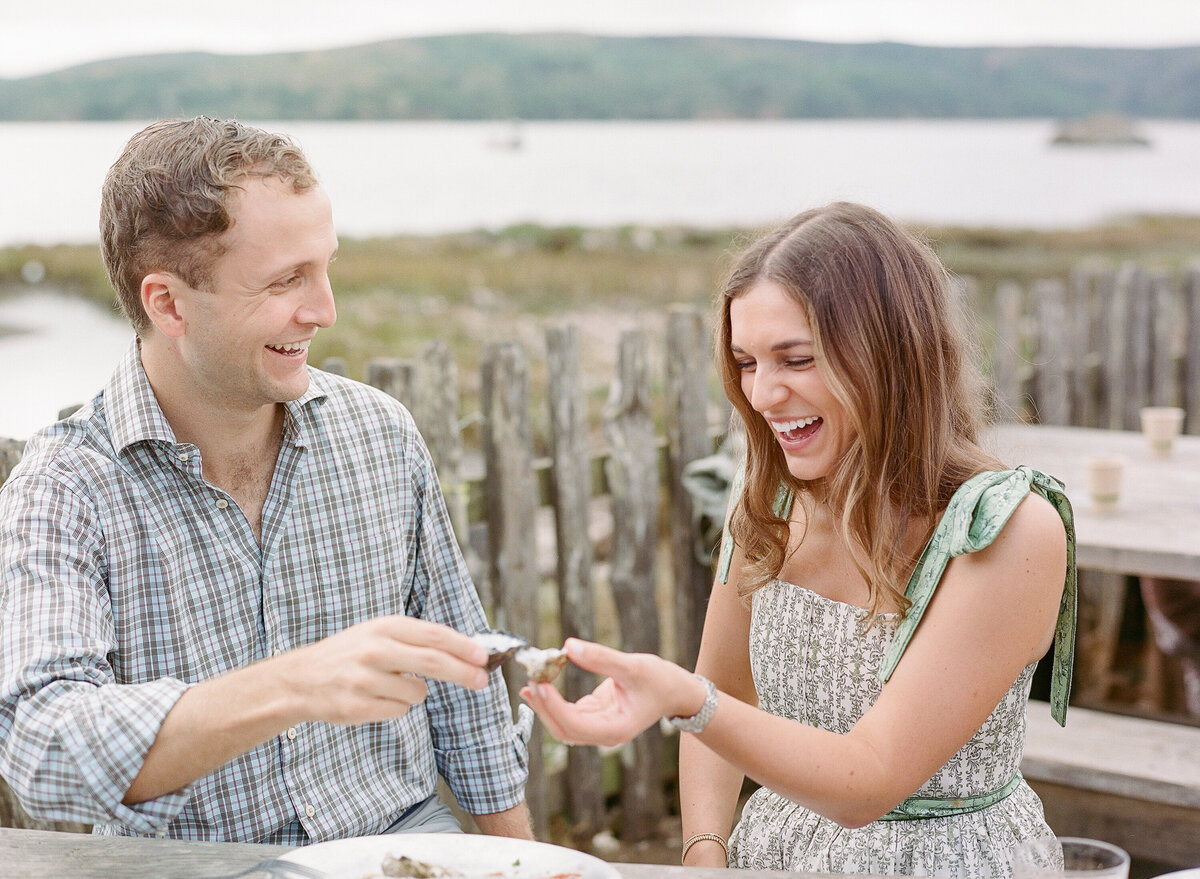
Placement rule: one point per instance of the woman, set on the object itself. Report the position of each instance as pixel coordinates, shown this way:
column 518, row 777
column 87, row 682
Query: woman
column 882, row 746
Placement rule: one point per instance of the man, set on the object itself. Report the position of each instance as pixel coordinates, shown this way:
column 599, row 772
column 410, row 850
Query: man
column 232, row 603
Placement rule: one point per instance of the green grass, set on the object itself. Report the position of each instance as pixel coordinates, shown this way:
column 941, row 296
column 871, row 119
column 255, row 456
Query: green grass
column 474, row 288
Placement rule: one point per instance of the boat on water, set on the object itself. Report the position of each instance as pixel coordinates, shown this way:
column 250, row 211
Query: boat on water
column 512, row 139
column 1105, row 129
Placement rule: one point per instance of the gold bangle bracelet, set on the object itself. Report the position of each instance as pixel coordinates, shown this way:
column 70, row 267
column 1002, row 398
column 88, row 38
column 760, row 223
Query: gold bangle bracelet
column 720, row 840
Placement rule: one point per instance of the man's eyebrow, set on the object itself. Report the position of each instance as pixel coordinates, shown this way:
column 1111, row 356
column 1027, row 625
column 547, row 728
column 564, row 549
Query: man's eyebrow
column 304, row 263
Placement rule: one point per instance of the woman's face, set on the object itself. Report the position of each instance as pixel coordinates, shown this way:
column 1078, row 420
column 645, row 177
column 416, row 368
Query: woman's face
column 772, row 345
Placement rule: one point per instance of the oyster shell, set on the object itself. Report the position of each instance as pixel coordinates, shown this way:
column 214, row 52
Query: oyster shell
column 499, row 645
column 542, row 666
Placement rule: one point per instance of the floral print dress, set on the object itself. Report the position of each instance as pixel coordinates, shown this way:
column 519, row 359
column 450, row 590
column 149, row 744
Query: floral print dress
column 812, row 662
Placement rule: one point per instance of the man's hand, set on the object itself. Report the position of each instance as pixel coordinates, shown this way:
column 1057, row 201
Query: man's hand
column 374, row 670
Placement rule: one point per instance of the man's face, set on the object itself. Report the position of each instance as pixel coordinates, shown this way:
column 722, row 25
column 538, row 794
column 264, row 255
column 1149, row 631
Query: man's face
column 246, row 340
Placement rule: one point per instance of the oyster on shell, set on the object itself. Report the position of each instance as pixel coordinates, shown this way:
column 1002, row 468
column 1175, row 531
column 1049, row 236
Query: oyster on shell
column 406, row 866
column 499, row 645
column 542, row 666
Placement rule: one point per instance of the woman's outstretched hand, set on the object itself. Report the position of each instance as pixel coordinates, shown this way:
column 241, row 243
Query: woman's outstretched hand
column 639, row 689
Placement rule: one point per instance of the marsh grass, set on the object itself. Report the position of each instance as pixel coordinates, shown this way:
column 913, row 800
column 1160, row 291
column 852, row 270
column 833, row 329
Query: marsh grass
column 474, row 288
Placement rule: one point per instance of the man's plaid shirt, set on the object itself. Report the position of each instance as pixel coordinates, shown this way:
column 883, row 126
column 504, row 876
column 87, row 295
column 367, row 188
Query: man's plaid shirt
column 125, row 578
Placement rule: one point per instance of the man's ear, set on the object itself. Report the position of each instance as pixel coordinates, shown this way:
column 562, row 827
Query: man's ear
column 160, row 298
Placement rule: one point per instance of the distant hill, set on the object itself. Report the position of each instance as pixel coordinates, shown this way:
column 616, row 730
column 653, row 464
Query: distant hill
column 493, row 76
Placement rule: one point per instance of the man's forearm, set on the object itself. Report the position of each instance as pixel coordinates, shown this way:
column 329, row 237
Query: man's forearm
column 212, row 723
column 512, row 822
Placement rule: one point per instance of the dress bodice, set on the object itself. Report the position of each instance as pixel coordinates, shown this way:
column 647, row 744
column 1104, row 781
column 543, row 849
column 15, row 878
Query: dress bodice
column 813, row 662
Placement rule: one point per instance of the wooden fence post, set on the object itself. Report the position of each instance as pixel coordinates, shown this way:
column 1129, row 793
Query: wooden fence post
column 1117, row 377
column 437, row 417
column 634, row 483
column 394, row 377
column 571, row 495
column 1008, row 352
column 511, row 501
column 1085, row 309
column 1055, row 353
column 1139, row 334
column 1105, row 316
column 335, row 366
column 1164, row 322
column 687, row 440
column 1191, row 346
column 10, row 455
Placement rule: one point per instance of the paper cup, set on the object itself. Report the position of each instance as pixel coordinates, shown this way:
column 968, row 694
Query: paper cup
column 1105, row 474
column 1069, row 856
column 1160, row 425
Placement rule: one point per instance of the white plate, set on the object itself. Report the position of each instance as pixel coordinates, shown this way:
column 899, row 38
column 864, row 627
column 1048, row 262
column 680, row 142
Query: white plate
column 1190, row 873
column 460, row 854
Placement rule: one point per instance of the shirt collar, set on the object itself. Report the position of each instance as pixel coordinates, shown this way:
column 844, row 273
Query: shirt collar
column 135, row 416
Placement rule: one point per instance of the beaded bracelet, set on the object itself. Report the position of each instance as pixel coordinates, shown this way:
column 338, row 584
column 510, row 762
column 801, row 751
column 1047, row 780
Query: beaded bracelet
column 699, row 836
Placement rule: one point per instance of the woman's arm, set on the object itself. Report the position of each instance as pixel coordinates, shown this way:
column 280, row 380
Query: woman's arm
column 708, row 785
column 992, row 615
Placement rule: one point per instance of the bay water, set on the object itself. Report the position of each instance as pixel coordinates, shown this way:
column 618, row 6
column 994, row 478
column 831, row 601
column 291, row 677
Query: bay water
column 426, row 177
column 429, row 177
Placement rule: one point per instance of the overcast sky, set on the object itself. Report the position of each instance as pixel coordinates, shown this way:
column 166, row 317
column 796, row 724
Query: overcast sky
column 39, row 36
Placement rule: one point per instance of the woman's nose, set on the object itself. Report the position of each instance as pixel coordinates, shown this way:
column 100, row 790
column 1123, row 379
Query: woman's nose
column 766, row 390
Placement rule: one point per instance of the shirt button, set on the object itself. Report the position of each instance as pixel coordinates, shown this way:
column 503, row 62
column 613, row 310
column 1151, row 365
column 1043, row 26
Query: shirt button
column 222, row 503
column 291, row 734
column 183, row 456
column 309, row 810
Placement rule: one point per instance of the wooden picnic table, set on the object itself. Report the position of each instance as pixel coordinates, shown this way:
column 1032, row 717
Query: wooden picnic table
column 1155, row 530
column 47, row 854
column 1153, row 534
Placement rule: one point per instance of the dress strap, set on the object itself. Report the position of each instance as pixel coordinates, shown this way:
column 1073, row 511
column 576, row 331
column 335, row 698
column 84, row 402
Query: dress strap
column 782, row 507
column 735, row 492
column 975, row 515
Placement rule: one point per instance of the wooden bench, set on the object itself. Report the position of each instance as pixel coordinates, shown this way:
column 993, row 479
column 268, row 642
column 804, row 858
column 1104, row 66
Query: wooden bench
column 1132, row 781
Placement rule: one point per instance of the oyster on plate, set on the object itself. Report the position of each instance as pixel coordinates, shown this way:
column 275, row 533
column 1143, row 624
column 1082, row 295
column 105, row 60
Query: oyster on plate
column 406, row 866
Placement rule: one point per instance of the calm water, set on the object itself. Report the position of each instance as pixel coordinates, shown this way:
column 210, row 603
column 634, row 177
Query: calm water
column 57, row 351
column 431, row 177
column 428, row 177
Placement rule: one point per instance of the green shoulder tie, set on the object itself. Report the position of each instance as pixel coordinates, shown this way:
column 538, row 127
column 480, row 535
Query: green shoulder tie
column 782, row 507
column 975, row 515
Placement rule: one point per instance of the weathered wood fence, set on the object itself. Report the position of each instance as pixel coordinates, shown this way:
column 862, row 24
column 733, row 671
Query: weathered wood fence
column 498, row 518
column 1090, row 349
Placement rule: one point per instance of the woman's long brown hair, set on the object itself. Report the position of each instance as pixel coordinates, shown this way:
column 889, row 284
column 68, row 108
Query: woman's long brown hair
column 890, row 341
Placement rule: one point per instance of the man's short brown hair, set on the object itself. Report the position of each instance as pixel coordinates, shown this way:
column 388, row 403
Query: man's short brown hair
column 165, row 200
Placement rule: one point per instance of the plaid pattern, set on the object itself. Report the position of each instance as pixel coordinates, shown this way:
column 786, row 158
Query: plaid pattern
column 125, row 577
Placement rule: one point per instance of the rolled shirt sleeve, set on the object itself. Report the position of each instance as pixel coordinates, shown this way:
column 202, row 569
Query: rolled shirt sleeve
column 73, row 739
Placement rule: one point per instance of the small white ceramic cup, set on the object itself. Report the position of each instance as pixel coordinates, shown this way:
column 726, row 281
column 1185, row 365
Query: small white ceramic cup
column 1069, row 856
column 1105, row 473
column 1160, row 426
